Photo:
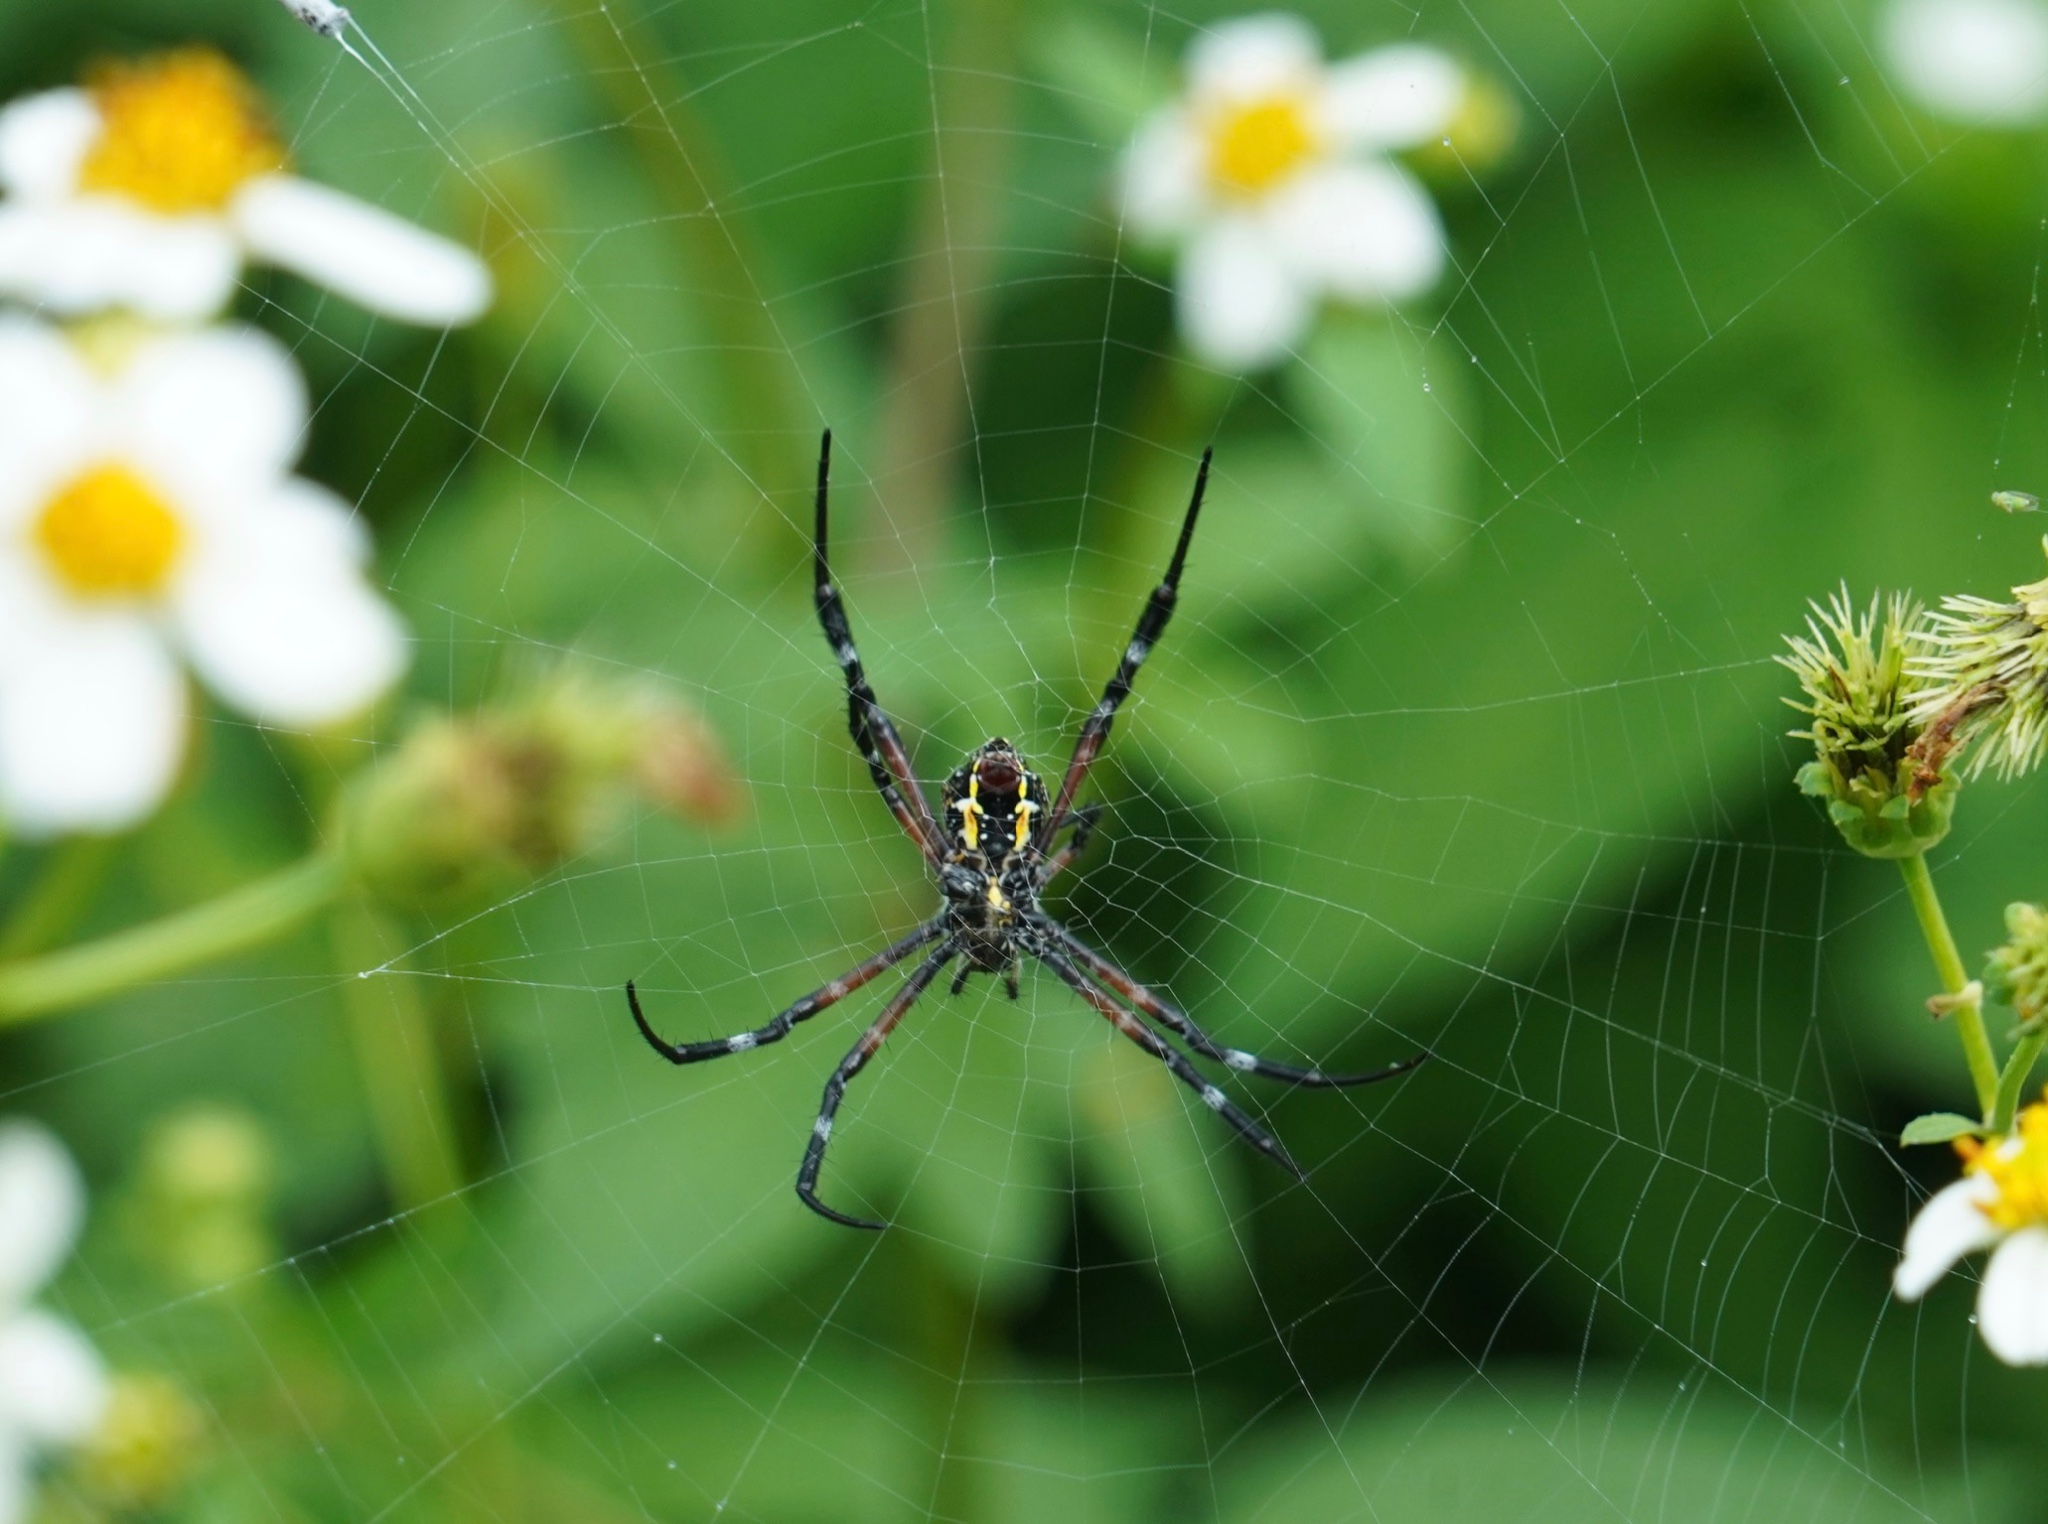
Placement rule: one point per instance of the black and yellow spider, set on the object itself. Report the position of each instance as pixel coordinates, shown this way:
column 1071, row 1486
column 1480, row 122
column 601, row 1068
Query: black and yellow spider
column 993, row 857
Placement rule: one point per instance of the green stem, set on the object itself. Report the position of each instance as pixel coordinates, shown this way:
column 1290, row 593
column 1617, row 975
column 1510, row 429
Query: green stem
column 244, row 918
column 948, row 281
column 2014, row 1080
column 1955, row 980
column 398, row 1056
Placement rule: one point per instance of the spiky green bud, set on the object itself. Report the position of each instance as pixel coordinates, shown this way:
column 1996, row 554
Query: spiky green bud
column 1985, row 663
column 1888, row 795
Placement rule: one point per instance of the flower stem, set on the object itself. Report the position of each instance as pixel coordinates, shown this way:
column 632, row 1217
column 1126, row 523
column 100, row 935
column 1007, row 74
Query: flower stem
column 1955, row 980
column 239, row 920
column 2014, row 1080
column 398, row 1057
column 943, row 302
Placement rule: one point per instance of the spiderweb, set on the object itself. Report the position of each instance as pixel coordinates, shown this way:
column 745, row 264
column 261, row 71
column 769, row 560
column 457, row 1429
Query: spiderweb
column 1465, row 737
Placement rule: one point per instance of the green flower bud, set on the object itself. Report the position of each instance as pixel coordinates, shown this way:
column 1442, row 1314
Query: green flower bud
column 146, row 1447
column 1481, row 133
column 1882, row 774
column 2016, row 974
column 472, row 809
column 201, row 1202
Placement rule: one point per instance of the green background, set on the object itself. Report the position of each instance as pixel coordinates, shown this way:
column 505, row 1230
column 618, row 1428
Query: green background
column 1467, row 736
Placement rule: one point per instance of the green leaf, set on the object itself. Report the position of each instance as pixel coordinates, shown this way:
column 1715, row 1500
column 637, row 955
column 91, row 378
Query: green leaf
column 1938, row 1127
column 1168, row 1185
column 1389, row 415
column 1553, row 1451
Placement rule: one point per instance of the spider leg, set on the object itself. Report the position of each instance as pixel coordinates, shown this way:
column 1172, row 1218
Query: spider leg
column 1176, row 1020
column 803, row 1010
column 1182, row 1070
column 888, row 761
column 849, row 1066
column 1083, row 821
column 960, row 979
column 1150, row 624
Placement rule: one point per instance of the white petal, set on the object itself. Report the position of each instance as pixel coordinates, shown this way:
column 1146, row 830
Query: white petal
column 1163, row 176
column 1948, row 1227
column 1392, row 97
column 371, row 257
column 217, row 414
column 92, row 719
column 2012, row 1304
column 1240, row 305
column 42, row 1203
column 1365, row 231
column 49, row 407
column 53, row 1388
column 1254, row 56
column 1978, row 61
column 279, row 620
column 43, row 140
column 96, row 252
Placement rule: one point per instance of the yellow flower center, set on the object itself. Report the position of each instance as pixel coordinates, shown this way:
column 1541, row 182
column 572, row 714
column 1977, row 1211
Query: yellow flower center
column 2020, row 1174
column 1256, row 144
column 182, row 132
column 108, row 535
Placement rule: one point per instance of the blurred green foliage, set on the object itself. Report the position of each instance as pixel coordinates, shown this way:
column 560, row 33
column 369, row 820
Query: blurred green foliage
column 1467, row 736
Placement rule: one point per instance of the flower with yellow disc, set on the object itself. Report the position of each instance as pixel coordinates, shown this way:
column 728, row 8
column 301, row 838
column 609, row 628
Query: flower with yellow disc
column 1272, row 174
column 148, row 188
column 2001, row 1204
column 148, row 513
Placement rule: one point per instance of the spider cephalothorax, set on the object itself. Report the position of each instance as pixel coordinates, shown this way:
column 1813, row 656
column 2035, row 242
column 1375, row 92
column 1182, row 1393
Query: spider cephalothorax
column 993, row 855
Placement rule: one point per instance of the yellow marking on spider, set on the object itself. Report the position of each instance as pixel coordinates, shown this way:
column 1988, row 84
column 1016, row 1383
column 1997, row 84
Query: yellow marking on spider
column 1024, row 810
column 996, row 899
column 971, row 813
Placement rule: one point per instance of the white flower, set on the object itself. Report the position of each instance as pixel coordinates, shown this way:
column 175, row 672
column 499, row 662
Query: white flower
column 149, row 187
column 1271, row 171
column 2001, row 1204
column 146, row 508
column 1984, row 62
column 53, row 1389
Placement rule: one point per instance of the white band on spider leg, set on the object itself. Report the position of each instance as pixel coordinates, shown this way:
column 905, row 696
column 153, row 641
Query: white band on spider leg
column 323, row 16
column 1237, row 1058
column 741, row 1043
column 1213, row 1098
column 822, row 1128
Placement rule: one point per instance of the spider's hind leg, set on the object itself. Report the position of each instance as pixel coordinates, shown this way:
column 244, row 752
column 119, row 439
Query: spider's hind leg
column 1176, row 1020
column 960, row 979
column 1010, row 981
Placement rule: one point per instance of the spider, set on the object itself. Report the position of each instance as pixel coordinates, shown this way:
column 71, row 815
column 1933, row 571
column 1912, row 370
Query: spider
column 992, row 853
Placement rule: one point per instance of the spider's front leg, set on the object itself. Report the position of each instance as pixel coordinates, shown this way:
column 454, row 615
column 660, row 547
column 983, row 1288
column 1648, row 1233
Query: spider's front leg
column 888, row 761
column 1151, row 624
column 1083, row 821
column 818, row 999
